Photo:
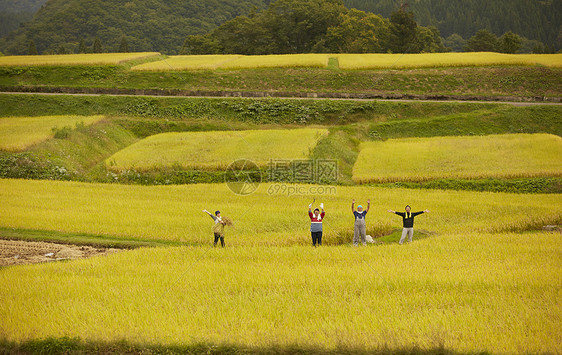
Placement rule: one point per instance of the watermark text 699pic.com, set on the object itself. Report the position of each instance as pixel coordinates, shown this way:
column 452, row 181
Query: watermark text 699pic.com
column 303, row 190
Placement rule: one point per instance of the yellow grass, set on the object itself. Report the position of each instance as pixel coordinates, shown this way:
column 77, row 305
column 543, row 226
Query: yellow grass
column 193, row 62
column 496, row 156
column 215, row 150
column 187, row 62
column 73, row 59
column 279, row 61
column 465, row 289
column 468, row 293
column 431, row 60
column 352, row 61
column 19, row 133
column 266, row 217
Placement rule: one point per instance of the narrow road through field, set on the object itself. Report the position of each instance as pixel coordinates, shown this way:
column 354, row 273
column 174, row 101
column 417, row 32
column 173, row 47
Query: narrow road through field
column 513, row 103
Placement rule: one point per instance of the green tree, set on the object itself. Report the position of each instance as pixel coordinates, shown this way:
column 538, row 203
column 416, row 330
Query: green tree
column 32, row 49
column 244, row 35
column 61, row 49
column 482, row 41
column 297, row 25
column 510, row 43
column 402, row 31
column 198, row 44
column 428, row 40
column 539, row 49
column 358, row 32
column 124, row 45
column 97, row 48
column 455, row 42
column 82, row 46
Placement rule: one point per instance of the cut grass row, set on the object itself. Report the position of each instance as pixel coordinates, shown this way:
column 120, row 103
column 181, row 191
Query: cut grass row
column 463, row 293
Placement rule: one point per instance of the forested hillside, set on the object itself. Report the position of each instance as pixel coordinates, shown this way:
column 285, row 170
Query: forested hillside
column 538, row 20
column 63, row 26
column 145, row 25
column 15, row 12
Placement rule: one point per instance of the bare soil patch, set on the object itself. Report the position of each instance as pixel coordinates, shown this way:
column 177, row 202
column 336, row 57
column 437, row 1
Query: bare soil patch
column 18, row 252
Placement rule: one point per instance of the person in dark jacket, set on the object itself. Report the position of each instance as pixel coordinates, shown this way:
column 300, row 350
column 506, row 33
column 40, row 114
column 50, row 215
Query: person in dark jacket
column 408, row 222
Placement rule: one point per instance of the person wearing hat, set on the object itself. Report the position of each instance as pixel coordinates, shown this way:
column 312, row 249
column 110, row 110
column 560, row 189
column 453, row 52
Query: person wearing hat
column 360, row 227
column 316, row 224
column 218, row 228
column 407, row 222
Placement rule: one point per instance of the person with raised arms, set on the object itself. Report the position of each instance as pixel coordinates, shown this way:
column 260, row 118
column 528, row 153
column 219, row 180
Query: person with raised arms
column 360, row 227
column 407, row 222
column 316, row 224
column 218, row 228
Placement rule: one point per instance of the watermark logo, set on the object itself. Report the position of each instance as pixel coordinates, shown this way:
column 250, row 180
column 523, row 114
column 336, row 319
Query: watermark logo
column 243, row 177
column 288, row 176
column 306, row 171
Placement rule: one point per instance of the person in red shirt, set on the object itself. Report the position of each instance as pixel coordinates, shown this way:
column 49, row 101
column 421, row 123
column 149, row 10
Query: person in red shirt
column 316, row 224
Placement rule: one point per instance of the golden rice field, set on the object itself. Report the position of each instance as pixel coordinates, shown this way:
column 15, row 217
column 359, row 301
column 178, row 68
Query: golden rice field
column 73, row 59
column 346, row 61
column 19, row 133
column 495, row 156
column 474, row 286
column 279, row 61
column 215, row 150
column 431, row 60
column 468, row 293
column 211, row 62
column 269, row 216
column 351, row 61
column 187, row 62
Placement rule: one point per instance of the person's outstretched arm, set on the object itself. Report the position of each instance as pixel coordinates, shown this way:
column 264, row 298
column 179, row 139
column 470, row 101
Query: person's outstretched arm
column 310, row 210
column 323, row 212
column 391, row 211
column 368, row 206
column 352, row 205
column 210, row 214
column 420, row 212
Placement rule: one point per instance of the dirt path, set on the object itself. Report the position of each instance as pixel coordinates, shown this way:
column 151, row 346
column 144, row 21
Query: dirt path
column 309, row 96
column 17, row 252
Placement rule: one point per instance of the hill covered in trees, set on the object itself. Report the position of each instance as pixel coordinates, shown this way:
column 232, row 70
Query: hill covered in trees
column 62, row 26
column 155, row 25
column 15, row 12
column 316, row 26
column 535, row 20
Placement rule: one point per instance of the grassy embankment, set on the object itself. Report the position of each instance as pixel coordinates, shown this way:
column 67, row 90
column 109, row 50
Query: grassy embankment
column 350, row 122
column 470, row 74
